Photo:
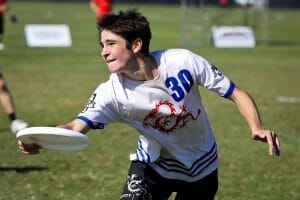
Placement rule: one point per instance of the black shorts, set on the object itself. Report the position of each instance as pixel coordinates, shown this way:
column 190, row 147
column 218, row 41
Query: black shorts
column 143, row 183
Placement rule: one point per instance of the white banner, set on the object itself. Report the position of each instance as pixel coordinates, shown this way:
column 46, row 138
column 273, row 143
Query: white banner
column 233, row 36
column 52, row 35
column 253, row 3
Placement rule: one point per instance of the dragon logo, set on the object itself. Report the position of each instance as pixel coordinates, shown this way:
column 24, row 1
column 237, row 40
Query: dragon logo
column 137, row 188
column 168, row 123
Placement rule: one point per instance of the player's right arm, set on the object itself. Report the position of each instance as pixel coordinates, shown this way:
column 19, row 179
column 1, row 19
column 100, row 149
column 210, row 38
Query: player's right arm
column 75, row 125
column 29, row 149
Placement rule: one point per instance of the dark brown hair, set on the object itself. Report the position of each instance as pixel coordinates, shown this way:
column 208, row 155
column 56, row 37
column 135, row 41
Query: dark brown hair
column 130, row 25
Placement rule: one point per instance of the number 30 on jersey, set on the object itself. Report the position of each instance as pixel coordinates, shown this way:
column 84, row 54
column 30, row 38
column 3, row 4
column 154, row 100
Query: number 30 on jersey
column 180, row 85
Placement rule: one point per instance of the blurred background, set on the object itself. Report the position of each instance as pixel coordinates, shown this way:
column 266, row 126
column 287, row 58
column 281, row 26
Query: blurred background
column 272, row 3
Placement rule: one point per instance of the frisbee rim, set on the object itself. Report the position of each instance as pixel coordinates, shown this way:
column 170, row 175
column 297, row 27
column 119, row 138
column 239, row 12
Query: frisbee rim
column 72, row 140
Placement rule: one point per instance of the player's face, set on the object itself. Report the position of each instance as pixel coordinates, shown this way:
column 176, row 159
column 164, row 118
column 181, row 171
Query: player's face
column 114, row 52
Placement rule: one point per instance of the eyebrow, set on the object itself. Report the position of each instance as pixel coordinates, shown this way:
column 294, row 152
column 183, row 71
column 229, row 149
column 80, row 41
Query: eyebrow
column 109, row 40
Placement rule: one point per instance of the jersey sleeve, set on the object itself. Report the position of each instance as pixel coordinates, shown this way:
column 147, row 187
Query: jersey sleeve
column 208, row 76
column 99, row 110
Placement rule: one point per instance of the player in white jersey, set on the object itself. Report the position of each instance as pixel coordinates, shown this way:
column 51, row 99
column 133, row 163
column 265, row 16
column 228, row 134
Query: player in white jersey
column 158, row 94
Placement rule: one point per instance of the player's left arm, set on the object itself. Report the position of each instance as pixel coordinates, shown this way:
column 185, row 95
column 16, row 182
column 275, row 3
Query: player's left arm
column 249, row 111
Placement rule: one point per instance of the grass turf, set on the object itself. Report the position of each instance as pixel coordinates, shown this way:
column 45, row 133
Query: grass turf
column 51, row 85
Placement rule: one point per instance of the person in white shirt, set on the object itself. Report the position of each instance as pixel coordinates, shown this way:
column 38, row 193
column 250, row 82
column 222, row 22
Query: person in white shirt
column 157, row 93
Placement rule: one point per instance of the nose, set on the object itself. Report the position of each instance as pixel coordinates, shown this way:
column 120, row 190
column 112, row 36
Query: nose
column 104, row 52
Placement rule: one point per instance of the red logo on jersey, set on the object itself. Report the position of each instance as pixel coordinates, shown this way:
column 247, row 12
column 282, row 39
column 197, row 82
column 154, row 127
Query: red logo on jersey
column 157, row 118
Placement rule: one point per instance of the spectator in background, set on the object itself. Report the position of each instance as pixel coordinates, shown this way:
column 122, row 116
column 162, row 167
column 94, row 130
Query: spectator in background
column 223, row 3
column 4, row 7
column 8, row 105
column 101, row 7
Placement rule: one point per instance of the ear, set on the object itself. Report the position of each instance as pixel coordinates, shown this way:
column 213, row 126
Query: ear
column 136, row 45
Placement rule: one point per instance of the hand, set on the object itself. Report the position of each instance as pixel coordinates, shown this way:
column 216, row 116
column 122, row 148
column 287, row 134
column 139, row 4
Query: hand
column 271, row 138
column 13, row 18
column 29, row 148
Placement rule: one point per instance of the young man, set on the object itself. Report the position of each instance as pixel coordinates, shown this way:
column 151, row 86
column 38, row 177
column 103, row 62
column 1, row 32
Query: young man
column 3, row 8
column 8, row 105
column 158, row 94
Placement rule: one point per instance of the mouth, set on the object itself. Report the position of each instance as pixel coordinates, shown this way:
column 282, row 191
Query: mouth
column 110, row 60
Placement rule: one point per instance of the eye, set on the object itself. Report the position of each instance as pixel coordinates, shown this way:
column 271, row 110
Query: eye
column 111, row 43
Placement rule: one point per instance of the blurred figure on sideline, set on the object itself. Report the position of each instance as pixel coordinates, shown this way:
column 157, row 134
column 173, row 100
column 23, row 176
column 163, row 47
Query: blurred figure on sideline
column 4, row 7
column 101, row 7
column 8, row 105
column 223, row 3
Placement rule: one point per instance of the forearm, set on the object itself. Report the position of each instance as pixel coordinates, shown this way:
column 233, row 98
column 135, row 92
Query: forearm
column 249, row 111
column 247, row 108
column 76, row 125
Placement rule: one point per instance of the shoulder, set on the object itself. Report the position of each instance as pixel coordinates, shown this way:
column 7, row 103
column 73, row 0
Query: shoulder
column 113, row 83
column 106, row 85
column 175, row 55
column 171, row 52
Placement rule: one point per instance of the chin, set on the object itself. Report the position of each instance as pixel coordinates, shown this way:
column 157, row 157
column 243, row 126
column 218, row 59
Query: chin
column 113, row 70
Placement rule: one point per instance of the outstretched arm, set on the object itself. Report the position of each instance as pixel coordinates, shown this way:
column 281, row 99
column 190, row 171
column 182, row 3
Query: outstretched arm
column 249, row 111
column 76, row 125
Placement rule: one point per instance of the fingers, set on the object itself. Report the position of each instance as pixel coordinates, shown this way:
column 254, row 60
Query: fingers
column 273, row 142
column 271, row 138
column 276, row 143
column 29, row 149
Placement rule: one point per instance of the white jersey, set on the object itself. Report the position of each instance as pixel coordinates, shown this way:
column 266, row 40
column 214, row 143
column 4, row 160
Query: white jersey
column 175, row 135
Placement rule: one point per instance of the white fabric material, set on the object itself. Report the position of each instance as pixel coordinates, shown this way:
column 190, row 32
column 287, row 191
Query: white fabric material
column 175, row 134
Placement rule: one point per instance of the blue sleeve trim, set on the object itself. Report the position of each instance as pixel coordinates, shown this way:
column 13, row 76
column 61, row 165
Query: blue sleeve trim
column 86, row 120
column 230, row 90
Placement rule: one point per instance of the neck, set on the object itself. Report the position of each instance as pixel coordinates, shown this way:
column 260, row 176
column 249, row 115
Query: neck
column 146, row 69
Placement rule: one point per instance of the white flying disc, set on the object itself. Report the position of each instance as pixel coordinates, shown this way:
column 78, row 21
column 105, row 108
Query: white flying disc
column 54, row 138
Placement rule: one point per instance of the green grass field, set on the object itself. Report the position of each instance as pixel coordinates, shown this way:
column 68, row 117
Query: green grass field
column 51, row 85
